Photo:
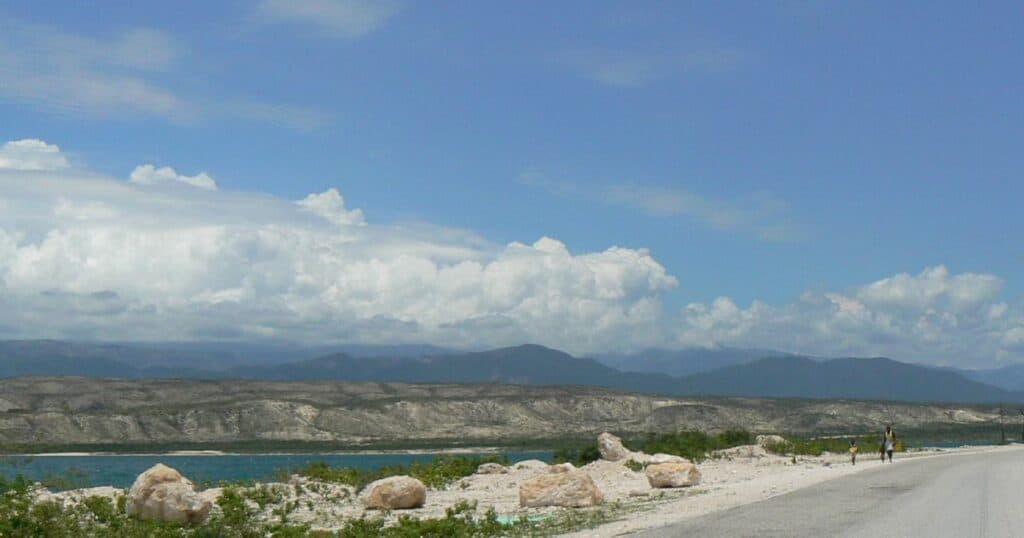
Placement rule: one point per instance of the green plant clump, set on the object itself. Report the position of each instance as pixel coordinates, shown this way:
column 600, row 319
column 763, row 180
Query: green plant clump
column 816, row 446
column 577, row 455
column 436, row 473
column 693, row 445
column 635, row 466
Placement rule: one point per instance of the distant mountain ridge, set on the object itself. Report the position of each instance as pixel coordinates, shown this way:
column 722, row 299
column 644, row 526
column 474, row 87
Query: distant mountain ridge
column 861, row 378
column 779, row 376
column 683, row 362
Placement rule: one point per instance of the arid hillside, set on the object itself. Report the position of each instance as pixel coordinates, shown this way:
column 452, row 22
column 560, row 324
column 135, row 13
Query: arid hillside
column 71, row 410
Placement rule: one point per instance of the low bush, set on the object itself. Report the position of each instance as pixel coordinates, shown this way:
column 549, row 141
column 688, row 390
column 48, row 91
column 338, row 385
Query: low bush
column 816, row 446
column 436, row 473
column 578, row 455
column 693, row 445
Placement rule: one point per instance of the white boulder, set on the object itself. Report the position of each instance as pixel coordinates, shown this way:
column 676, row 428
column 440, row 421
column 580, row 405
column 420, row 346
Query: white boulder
column 161, row 493
column 672, row 475
column 611, row 448
column 394, row 493
column 561, row 487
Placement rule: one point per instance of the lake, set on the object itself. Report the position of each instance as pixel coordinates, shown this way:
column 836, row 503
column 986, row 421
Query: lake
column 120, row 470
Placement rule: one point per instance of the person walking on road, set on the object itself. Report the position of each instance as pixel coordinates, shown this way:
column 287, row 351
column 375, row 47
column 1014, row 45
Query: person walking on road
column 853, row 451
column 888, row 443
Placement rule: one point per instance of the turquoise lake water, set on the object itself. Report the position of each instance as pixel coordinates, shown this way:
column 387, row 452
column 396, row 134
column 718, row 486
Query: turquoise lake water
column 120, row 470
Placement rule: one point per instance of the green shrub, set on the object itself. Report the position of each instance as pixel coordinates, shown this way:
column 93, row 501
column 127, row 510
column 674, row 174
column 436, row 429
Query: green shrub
column 577, row 455
column 693, row 445
column 436, row 473
column 816, row 446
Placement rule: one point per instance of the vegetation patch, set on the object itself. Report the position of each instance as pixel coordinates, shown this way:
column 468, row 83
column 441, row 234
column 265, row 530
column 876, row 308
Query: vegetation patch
column 437, row 473
column 21, row 517
column 692, row 445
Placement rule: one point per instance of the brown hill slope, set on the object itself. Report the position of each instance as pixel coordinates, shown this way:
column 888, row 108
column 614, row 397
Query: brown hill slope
column 71, row 410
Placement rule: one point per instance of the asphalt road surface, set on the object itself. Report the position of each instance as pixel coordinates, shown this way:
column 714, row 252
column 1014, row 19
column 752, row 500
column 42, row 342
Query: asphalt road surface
column 956, row 496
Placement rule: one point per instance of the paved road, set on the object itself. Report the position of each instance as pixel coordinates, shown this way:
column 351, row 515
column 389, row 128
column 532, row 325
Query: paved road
column 956, row 496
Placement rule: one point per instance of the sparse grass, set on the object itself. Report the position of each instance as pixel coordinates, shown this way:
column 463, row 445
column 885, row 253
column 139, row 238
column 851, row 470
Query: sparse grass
column 635, row 466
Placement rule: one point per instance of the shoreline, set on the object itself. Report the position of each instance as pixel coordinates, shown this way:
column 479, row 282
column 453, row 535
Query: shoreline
column 178, row 453
column 379, row 452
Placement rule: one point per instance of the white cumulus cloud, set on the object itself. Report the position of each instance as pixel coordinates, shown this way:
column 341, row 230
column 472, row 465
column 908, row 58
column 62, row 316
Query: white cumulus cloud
column 330, row 205
column 86, row 256
column 31, row 154
column 147, row 174
column 91, row 257
column 933, row 316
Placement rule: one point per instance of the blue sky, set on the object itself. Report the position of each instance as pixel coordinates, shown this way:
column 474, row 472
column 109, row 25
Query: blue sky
column 760, row 151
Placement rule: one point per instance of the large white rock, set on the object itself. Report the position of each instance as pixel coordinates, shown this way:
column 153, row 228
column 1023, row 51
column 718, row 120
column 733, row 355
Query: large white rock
column 611, row 448
column 742, row 452
column 530, row 464
column 672, row 475
column 561, row 487
column 394, row 493
column 162, row 494
column 764, row 440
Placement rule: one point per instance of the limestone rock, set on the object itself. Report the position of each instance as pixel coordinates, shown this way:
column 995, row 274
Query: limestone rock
column 568, row 488
column 394, row 493
column 743, row 452
column 765, row 440
column 611, row 447
column 212, row 494
column 562, row 468
column 530, row 464
column 491, row 468
column 162, row 494
column 672, row 475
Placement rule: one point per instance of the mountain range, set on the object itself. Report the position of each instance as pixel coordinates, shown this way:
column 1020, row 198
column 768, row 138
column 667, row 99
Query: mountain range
column 721, row 372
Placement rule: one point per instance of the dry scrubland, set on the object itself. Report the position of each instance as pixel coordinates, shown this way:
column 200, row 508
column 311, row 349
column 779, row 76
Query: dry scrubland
column 66, row 411
column 620, row 497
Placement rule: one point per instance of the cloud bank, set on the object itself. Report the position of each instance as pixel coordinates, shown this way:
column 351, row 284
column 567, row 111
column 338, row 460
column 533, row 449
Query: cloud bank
column 165, row 256
column 160, row 255
column 933, row 316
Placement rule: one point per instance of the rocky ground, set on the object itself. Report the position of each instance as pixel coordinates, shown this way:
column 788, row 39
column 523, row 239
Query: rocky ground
column 626, row 498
